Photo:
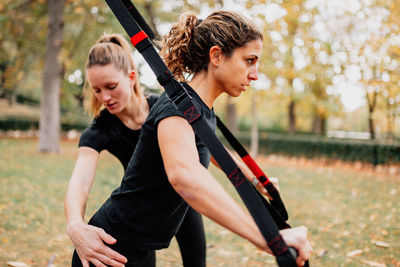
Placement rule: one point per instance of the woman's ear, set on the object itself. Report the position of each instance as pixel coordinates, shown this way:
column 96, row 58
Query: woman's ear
column 132, row 79
column 132, row 75
column 215, row 55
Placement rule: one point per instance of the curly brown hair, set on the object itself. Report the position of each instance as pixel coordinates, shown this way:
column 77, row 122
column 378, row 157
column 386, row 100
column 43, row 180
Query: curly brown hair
column 185, row 48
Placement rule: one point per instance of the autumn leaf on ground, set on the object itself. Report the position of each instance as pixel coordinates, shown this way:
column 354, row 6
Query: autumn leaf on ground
column 375, row 264
column 382, row 244
column 354, row 253
column 322, row 252
column 16, row 264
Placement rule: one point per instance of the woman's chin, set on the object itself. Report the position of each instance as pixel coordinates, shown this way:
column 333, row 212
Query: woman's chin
column 235, row 93
column 113, row 111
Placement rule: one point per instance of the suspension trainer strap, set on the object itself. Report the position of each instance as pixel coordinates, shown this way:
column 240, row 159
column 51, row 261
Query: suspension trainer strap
column 254, row 202
column 139, row 19
column 276, row 201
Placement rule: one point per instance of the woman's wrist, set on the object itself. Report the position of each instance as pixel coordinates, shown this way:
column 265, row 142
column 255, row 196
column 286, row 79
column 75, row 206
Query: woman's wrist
column 257, row 238
column 73, row 223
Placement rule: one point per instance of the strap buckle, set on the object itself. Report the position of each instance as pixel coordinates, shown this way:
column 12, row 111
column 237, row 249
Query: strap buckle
column 179, row 94
column 184, row 103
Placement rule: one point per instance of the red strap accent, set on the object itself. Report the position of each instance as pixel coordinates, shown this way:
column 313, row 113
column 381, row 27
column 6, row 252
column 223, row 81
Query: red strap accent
column 137, row 38
column 277, row 245
column 254, row 168
column 236, row 177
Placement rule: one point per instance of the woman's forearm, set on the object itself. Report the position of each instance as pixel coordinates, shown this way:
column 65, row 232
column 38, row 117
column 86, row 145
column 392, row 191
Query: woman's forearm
column 203, row 193
column 196, row 185
column 75, row 202
column 80, row 184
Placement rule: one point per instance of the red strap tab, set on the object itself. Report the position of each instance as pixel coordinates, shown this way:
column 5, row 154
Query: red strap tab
column 137, row 38
column 254, row 167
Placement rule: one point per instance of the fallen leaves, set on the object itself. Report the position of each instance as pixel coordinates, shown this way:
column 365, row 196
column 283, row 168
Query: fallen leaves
column 354, row 253
column 384, row 232
column 374, row 264
column 373, row 217
column 322, row 252
column 326, row 227
column 17, row 264
column 381, row 244
column 224, row 232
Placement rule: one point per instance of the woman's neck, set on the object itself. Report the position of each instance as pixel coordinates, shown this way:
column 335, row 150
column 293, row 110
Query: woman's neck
column 135, row 113
column 205, row 87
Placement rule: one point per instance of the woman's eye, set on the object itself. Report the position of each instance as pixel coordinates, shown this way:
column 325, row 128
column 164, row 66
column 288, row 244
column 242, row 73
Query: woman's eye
column 250, row 61
column 112, row 86
column 96, row 91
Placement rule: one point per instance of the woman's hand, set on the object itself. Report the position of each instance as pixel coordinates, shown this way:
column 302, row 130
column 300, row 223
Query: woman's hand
column 261, row 188
column 297, row 238
column 89, row 244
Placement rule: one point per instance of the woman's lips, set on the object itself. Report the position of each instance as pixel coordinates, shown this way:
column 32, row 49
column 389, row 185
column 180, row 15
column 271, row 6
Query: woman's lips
column 111, row 105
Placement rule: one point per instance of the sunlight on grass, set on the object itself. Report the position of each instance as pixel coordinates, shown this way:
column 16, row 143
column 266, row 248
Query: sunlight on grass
column 347, row 212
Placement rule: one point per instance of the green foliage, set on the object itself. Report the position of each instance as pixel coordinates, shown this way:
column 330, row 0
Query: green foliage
column 18, row 123
column 24, row 99
column 319, row 147
column 9, row 123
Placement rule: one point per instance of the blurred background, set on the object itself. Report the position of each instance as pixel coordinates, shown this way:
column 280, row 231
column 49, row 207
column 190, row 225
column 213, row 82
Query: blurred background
column 329, row 68
column 328, row 92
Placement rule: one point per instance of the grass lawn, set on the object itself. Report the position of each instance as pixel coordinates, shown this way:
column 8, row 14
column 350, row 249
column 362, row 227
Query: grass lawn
column 353, row 216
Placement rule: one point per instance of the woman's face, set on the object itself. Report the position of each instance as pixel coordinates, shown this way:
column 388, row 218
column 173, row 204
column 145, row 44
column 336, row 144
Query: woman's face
column 236, row 72
column 111, row 86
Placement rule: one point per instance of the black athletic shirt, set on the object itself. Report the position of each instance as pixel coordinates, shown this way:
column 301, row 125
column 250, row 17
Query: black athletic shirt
column 107, row 132
column 145, row 212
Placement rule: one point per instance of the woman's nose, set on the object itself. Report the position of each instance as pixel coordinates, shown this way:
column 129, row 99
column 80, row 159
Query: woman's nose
column 253, row 74
column 105, row 97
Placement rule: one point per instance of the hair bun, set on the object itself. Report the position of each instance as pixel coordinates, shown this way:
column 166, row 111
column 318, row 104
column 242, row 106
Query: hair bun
column 110, row 38
column 114, row 40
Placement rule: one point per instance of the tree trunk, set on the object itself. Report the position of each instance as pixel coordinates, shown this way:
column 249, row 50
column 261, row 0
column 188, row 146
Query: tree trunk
column 371, row 108
column 319, row 124
column 371, row 126
column 231, row 115
column 49, row 125
column 292, row 117
column 390, row 117
column 371, row 104
column 254, row 126
column 371, row 122
column 11, row 98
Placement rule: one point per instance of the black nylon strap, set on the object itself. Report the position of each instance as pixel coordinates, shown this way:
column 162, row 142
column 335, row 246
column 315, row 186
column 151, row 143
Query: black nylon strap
column 254, row 202
column 139, row 19
column 276, row 201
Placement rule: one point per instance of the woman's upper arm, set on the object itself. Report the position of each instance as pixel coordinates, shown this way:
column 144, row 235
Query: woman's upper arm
column 177, row 145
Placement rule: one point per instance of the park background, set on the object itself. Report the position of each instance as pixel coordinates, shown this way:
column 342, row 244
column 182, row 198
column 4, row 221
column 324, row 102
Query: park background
column 324, row 117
